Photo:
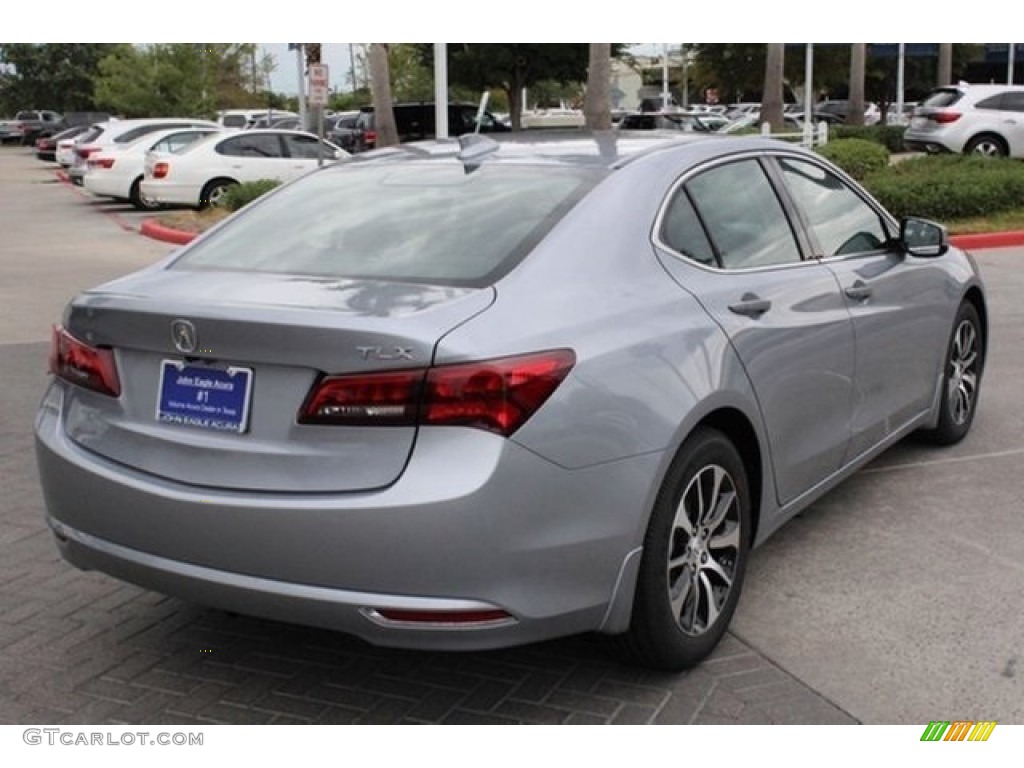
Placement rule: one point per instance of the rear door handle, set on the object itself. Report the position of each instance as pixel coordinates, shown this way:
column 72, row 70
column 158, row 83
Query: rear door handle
column 750, row 305
column 859, row 291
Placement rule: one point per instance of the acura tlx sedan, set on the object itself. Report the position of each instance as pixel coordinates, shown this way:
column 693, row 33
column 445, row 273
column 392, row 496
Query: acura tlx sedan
column 471, row 394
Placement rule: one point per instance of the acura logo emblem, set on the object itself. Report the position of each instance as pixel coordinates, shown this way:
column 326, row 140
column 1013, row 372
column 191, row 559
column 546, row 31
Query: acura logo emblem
column 184, row 336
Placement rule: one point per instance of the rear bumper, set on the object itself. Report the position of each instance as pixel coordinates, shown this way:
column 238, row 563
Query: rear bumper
column 100, row 184
column 474, row 523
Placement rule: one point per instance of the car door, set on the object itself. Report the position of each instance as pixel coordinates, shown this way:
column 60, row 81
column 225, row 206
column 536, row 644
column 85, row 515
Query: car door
column 254, row 156
column 727, row 239
column 895, row 300
column 1012, row 121
column 305, row 153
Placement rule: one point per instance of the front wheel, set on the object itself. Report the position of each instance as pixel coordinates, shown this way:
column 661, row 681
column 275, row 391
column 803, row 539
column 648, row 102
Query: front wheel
column 986, row 146
column 694, row 558
column 965, row 358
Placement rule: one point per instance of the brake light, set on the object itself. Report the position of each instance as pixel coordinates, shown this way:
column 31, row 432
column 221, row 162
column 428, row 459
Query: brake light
column 84, row 152
column 90, row 367
column 370, row 137
column 495, row 395
column 101, row 162
column 160, row 170
column 946, row 117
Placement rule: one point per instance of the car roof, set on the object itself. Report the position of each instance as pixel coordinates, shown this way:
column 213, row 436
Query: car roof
column 594, row 149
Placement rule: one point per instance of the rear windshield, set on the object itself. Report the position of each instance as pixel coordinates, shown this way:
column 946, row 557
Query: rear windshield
column 417, row 222
column 944, row 97
column 27, row 116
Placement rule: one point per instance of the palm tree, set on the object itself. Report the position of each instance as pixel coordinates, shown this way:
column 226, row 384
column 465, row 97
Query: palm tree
column 945, row 63
column 858, row 59
column 380, row 85
column 771, row 100
column 597, row 107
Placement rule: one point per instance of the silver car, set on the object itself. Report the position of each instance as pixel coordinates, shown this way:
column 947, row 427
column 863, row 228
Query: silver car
column 970, row 119
column 472, row 394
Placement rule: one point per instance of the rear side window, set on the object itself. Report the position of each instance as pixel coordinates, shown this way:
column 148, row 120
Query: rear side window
column 944, row 97
column 743, row 216
column 234, row 121
column 422, row 222
column 254, row 145
column 1013, row 101
column 142, row 130
column 682, row 231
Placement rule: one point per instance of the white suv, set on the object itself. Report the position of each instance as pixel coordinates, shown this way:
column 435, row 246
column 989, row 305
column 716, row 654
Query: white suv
column 972, row 119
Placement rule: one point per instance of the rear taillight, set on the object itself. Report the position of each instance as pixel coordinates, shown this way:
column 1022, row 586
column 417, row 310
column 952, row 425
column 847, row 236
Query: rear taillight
column 160, row 170
column 494, row 395
column 84, row 152
column 90, row 367
column 945, row 117
column 101, row 162
column 370, row 137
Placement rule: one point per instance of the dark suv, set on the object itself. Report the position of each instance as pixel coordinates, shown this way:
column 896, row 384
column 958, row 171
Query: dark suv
column 417, row 121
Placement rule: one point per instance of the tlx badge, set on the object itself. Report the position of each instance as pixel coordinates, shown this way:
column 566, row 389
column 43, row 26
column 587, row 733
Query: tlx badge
column 385, row 353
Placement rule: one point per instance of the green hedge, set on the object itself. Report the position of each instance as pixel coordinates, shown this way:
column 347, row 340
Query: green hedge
column 949, row 186
column 858, row 157
column 889, row 136
column 241, row 195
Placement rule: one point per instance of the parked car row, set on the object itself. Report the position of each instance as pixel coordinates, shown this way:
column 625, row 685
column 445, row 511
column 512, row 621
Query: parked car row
column 157, row 162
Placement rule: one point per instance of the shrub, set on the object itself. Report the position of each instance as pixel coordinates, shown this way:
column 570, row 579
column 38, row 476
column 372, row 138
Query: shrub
column 889, row 136
column 949, row 186
column 241, row 195
column 858, row 157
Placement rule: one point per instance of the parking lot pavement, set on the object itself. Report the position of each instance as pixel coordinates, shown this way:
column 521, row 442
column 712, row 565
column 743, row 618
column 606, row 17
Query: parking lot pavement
column 891, row 600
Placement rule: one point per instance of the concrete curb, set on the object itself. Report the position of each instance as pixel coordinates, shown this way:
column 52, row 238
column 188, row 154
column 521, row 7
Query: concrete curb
column 154, row 229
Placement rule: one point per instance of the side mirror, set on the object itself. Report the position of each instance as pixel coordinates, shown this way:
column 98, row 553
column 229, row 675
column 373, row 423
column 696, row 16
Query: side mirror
column 923, row 238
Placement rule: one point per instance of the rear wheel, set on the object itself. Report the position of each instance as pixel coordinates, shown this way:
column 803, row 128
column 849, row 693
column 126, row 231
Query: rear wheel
column 987, row 145
column 695, row 555
column 965, row 359
column 214, row 191
column 136, row 198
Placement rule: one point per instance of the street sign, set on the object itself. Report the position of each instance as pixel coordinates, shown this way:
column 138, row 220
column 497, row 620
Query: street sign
column 318, row 85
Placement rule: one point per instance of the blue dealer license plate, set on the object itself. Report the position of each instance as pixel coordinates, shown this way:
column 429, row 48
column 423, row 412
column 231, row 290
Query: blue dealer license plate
column 209, row 398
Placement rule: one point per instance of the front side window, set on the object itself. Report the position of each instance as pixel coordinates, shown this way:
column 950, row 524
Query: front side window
column 306, row 147
column 839, row 219
column 743, row 216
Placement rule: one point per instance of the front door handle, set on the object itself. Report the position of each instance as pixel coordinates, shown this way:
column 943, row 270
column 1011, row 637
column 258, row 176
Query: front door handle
column 751, row 305
column 859, row 291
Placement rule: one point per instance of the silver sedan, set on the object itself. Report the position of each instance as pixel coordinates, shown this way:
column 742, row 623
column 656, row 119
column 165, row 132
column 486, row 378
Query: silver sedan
column 472, row 394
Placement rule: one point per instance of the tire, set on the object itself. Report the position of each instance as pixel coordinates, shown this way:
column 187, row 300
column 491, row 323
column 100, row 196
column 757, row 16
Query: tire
column 691, row 575
column 138, row 201
column 964, row 362
column 986, row 145
column 214, row 191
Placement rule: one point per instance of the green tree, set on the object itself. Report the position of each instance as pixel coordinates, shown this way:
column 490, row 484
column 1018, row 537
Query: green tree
column 182, row 79
column 57, row 76
column 511, row 67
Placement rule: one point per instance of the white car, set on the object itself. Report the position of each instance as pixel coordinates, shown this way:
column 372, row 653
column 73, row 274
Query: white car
column 200, row 174
column 121, row 132
column 117, row 171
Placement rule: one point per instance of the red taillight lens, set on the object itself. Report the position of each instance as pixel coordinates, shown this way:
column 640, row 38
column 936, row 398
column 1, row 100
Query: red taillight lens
column 946, row 117
column 84, row 152
column 370, row 137
column 495, row 395
column 101, row 162
column 89, row 367
column 160, row 170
